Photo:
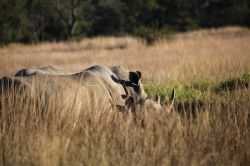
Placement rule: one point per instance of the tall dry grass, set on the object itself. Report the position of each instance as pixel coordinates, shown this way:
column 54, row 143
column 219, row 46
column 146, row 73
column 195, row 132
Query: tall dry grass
column 195, row 55
column 36, row 133
column 33, row 133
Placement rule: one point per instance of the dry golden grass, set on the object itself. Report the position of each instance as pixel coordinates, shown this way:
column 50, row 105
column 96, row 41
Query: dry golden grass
column 195, row 55
column 34, row 134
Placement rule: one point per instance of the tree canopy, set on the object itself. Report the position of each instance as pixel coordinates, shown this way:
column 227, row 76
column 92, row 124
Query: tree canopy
column 38, row 20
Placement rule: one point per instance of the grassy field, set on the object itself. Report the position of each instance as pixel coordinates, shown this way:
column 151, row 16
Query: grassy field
column 210, row 70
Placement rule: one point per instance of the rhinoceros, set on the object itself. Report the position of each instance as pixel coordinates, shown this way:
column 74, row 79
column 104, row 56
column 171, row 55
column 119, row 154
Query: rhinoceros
column 95, row 87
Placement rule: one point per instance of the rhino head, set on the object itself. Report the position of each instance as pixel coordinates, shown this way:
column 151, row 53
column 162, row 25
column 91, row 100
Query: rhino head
column 139, row 99
column 151, row 105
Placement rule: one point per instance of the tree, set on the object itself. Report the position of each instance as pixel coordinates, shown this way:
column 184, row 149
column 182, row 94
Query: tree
column 12, row 21
column 221, row 12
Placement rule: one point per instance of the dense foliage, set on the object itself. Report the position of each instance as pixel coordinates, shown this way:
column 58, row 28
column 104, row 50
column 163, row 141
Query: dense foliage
column 38, row 20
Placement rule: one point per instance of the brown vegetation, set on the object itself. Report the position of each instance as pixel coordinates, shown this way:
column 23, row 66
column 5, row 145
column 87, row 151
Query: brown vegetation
column 202, row 54
column 37, row 134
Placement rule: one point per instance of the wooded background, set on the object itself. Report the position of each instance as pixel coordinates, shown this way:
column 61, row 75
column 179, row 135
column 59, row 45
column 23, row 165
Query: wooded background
column 30, row 21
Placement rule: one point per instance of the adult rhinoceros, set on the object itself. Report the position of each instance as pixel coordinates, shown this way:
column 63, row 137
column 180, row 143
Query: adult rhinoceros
column 94, row 88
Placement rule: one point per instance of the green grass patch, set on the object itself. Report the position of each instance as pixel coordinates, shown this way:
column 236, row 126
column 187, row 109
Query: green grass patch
column 201, row 92
column 234, row 83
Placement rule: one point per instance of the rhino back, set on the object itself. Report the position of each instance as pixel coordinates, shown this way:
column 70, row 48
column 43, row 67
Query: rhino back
column 71, row 93
column 47, row 70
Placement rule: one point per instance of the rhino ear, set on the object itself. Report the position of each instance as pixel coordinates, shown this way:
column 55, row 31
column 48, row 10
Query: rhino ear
column 139, row 74
column 135, row 77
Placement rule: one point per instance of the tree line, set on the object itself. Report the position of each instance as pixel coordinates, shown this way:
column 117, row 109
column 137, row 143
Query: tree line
column 29, row 21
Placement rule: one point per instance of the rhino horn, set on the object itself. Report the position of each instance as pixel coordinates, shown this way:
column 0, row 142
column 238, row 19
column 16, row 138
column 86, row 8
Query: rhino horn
column 170, row 103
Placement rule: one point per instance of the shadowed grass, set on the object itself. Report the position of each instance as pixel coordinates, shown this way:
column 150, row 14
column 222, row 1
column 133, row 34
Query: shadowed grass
column 34, row 134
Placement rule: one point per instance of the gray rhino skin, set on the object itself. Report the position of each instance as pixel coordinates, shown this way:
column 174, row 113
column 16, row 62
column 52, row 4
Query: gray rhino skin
column 97, row 86
column 47, row 70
